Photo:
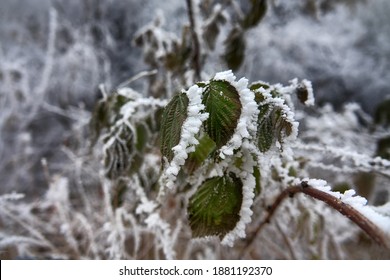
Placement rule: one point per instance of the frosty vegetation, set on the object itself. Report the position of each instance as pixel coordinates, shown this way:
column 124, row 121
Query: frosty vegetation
column 250, row 130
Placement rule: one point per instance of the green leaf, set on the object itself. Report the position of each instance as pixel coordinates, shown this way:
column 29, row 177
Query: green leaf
column 257, row 174
column 258, row 85
column 118, row 156
column 173, row 118
column 195, row 159
column 271, row 125
column 105, row 113
column 142, row 137
column 235, row 48
column 265, row 129
column 283, row 127
column 256, row 13
column 223, row 104
column 214, row 208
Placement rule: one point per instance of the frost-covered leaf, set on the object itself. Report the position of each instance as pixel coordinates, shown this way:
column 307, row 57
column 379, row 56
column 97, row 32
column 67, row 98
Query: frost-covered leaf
column 105, row 113
column 272, row 125
column 118, row 152
column 195, row 159
column 256, row 13
column 173, row 118
column 304, row 93
column 223, row 105
column 141, row 136
column 235, row 48
column 283, row 126
column 258, row 85
column 214, row 208
column 265, row 133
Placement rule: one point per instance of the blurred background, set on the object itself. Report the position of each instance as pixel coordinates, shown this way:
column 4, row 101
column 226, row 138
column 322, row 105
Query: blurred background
column 54, row 55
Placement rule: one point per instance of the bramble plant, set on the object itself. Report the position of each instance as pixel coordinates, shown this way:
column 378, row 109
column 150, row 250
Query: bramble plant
column 218, row 141
column 185, row 160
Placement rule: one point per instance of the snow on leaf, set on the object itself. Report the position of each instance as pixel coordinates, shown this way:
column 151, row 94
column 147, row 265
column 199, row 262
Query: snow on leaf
column 246, row 124
column 187, row 141
column 173, row 118
column 248, row 193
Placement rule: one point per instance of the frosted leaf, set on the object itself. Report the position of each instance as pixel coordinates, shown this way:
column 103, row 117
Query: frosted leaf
column 245, row 126
column 187, row 140
column 214, row 208
column 249, row 184
column 221, row 100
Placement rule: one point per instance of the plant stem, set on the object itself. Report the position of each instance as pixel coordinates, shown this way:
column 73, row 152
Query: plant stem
column 195, row 40
column 351, row 213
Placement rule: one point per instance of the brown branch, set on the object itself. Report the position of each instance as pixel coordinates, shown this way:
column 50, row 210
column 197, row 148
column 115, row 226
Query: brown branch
column 351, row 213
column 195, row 40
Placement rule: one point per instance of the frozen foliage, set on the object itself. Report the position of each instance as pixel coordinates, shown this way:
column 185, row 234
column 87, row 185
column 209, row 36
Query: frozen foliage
column 82, row 176
column 190, row 128
column 245, row 126
column 249, row 185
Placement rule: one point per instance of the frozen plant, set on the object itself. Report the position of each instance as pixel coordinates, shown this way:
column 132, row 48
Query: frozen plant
column 197, row 163
column 227, row 151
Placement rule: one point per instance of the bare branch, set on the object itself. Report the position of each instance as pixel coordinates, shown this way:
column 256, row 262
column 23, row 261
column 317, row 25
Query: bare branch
column 351, row 213
column 195, row 40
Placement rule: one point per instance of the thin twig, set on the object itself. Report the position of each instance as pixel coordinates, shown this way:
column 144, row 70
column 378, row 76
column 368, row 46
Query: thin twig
column 286, row 240
column 195, row 40
column 351, row 213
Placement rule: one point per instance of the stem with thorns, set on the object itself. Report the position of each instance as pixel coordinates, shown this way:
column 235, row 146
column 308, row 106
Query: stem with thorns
column 351, row 213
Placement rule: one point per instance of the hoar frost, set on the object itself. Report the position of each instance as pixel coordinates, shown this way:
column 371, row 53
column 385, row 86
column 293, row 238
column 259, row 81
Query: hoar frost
column 187, row 143
column 357, row 202
column 246, row 126
column 249, row 184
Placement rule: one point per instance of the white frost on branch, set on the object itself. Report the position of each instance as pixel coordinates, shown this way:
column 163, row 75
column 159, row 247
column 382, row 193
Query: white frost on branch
column 379, row 218
column 305, row 85
column 11, row 196
column 310, row 95
column 163, row 234
column 135, row 108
